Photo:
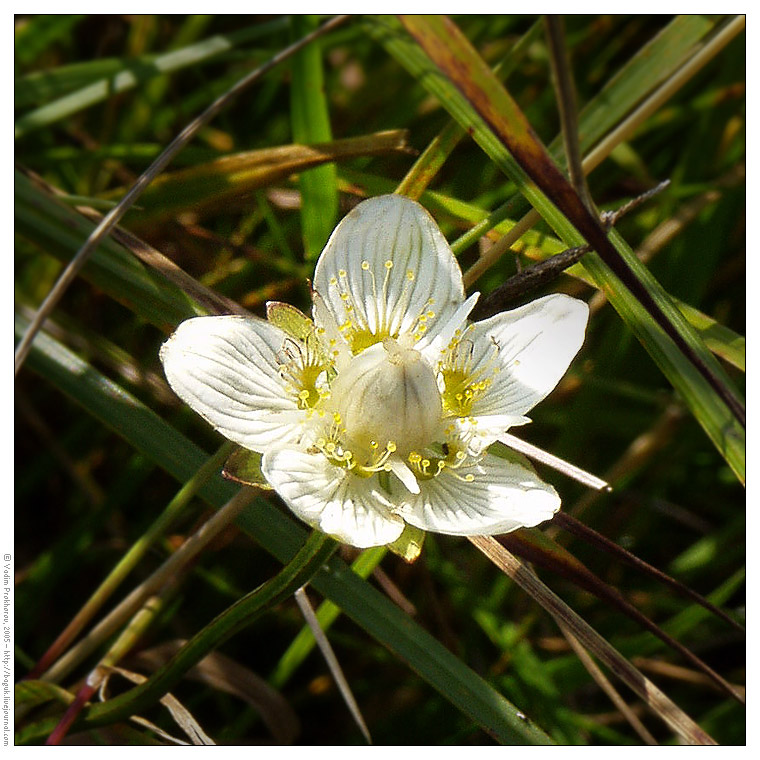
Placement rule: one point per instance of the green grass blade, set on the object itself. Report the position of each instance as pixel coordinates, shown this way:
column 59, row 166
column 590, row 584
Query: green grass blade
column 59, row 230
column 130, row 74
column 311, row 124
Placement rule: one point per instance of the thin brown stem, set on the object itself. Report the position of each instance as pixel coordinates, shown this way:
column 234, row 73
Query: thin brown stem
column 567, row 105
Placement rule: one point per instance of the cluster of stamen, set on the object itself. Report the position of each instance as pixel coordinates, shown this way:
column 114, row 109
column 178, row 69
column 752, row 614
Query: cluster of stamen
column 355, row 327
column 331, row 446
column 427, row 467
column 310, row 371
column 461, row 386
column 301, row 365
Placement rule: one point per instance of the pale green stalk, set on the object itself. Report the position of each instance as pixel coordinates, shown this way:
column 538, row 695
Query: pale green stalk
column 135, row 554
column 118, row 616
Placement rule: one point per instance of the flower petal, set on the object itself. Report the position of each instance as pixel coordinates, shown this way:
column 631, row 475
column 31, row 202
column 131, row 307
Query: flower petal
column 530, row 348
column 227, row 370
column 385, row 266
column 504, row 494
column 479, row 433
column 433, row 343
column 331, row 498
column 401, row 470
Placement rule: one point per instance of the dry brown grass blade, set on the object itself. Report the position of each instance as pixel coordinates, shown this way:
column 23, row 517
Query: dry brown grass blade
column 533, row 546
column 577, row 528
column 227, row 183
column 225, row 674
column 676, row 672
column 182, row 716
column 604, row 684
column 662, row 705
column 332, row 661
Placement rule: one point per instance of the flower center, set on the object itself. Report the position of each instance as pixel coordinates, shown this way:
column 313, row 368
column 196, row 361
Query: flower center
column 388, row 395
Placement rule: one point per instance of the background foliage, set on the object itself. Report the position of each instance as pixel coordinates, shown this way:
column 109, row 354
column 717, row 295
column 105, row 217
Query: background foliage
column 101, row 441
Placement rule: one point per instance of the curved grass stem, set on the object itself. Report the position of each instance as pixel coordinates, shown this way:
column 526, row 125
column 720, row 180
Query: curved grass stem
column 308, row 560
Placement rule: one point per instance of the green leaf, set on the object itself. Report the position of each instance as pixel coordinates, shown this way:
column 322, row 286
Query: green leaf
column 408, row 545
column 244, row 466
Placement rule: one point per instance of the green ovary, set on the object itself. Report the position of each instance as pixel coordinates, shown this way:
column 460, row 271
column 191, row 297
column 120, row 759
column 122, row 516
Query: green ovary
column 361, row 339
column 309, row 396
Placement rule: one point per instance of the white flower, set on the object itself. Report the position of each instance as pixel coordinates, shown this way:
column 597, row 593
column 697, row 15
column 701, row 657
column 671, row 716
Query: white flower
column 380, row 411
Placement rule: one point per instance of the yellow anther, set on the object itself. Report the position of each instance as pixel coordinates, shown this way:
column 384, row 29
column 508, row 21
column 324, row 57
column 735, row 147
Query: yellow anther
column 388, row 264
column 365, row 266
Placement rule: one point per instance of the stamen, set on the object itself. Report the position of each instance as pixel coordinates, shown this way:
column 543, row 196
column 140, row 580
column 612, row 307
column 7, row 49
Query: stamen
column 425, row 468
column 461, row 384
column 304, row 364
